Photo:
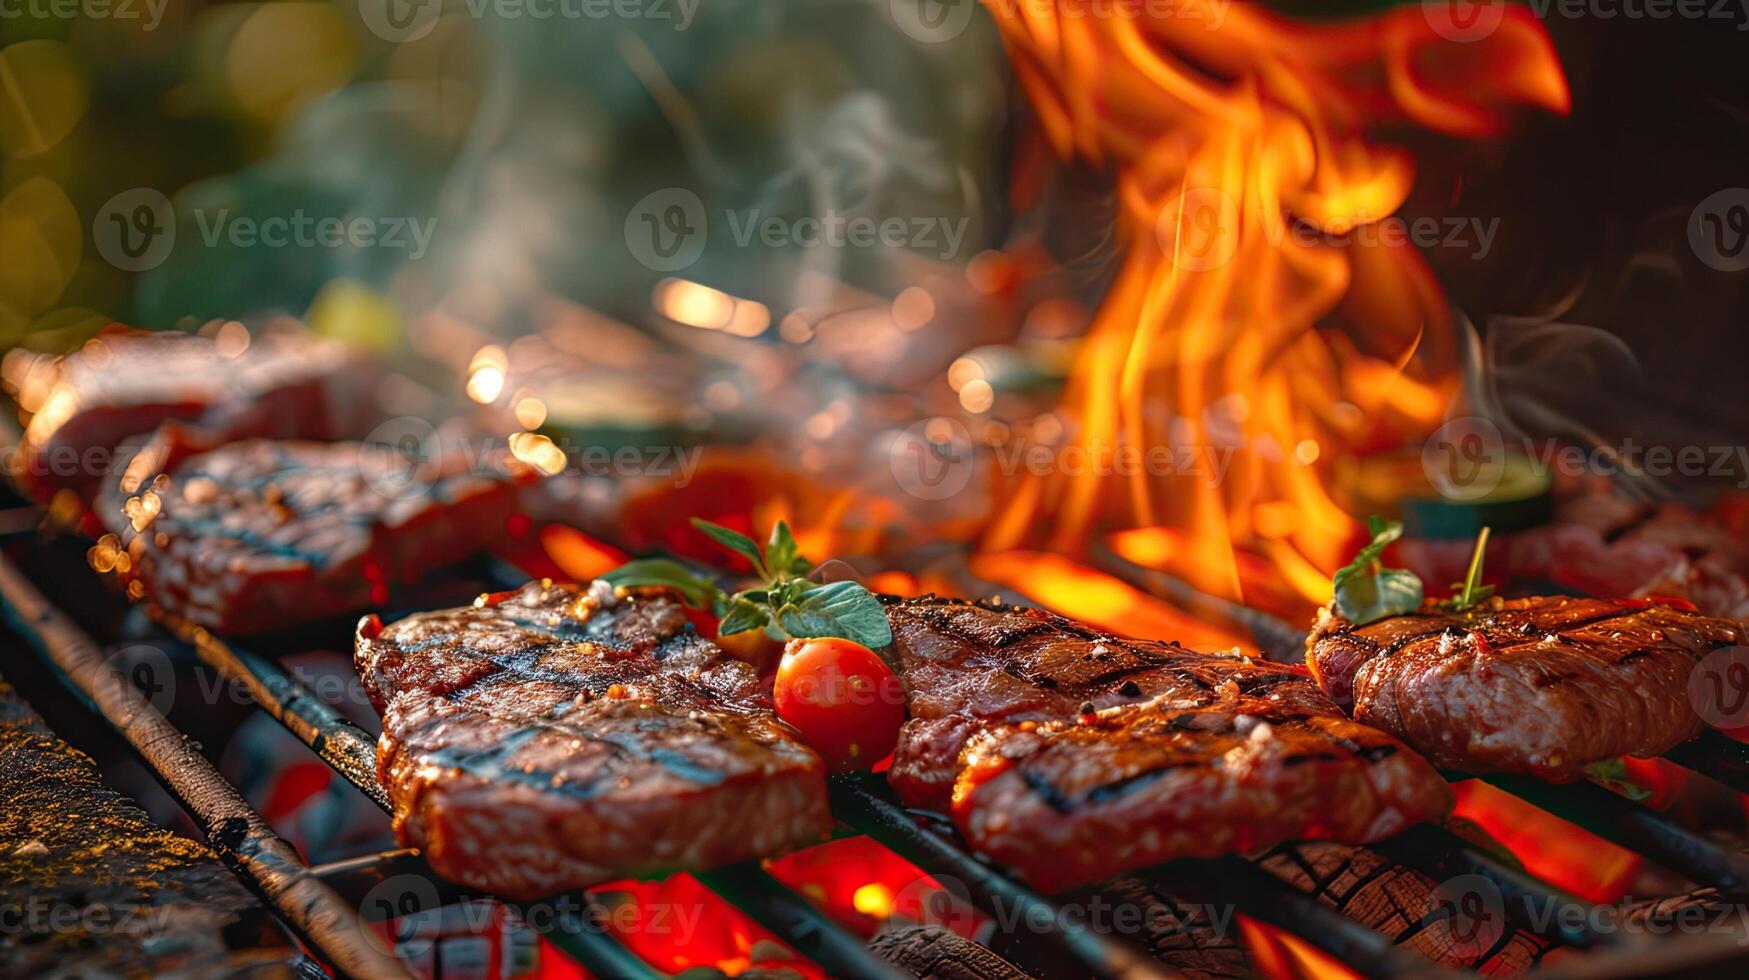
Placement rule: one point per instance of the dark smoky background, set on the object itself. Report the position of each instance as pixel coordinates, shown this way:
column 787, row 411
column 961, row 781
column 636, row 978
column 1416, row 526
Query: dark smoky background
column 1604, row 224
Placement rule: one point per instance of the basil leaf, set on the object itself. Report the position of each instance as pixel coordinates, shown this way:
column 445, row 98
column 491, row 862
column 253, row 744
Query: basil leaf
column 782, row 556
column 744, row 615
column 737, row 542
column 843, row 609
column 1366, row 591
column 1364, row 599
column 698, row 592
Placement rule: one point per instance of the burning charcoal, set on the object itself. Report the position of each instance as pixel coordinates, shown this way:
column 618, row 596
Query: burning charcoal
column 935, row 953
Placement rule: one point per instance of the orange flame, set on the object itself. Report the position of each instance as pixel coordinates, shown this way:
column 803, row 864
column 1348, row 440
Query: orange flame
column 1241, row 158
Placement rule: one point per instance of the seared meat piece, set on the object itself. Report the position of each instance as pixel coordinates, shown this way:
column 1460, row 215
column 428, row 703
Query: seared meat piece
column 548, row 739
column 125, row 383
column 1070, row 755
column 261, row 534
column 1544, row 686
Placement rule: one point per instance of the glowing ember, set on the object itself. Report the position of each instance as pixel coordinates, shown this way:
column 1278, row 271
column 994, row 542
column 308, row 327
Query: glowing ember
column 1244, row 172
column 679, row 924
column 1277, row 954
column 861, row 885
column 1551, row 848
column 1099, row 599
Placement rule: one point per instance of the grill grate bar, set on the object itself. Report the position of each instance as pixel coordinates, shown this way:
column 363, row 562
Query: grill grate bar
column 863, row 801
column 1635, row 827
column 266, row 861
column 1237, row 882
column 798, row 921
column 1715, row 756
column 345, row 747
column 1441, row 854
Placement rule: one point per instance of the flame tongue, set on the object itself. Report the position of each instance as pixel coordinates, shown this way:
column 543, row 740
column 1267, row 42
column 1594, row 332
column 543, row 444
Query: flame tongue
column 1240, row 156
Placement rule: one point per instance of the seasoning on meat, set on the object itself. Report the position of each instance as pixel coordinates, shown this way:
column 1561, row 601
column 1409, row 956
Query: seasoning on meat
column 1070, row 755
column 542, row 740
column 1543, row 686
column 264, row 534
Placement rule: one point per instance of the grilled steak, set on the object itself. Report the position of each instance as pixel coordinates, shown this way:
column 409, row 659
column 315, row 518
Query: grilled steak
column 263, row 534
column 548, row 739
column 1544, row 686
column 125, row 383
column 1069, row 754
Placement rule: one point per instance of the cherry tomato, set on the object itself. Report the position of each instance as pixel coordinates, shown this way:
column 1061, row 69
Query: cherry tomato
column 843, row 698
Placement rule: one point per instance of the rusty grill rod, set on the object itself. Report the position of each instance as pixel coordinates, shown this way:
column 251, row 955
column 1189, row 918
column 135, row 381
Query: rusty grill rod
column 345, row 747
column 266, row 861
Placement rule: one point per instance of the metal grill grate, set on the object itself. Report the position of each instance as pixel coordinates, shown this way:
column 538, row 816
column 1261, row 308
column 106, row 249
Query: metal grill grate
column 321, row 903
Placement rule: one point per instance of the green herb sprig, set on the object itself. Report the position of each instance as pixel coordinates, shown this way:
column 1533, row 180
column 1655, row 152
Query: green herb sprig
column 785, row 603
column 1612, row 774
column 1366, row 591
column 1470, row 592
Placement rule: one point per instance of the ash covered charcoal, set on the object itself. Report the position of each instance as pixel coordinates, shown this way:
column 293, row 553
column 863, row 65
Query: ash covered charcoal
column 89, row 886
column 551, row 738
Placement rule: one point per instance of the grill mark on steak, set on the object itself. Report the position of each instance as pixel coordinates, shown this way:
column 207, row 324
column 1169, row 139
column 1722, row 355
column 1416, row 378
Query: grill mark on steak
column 1543, row 686
column 262, row 534
column 537, row 742
column 1070, row 754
